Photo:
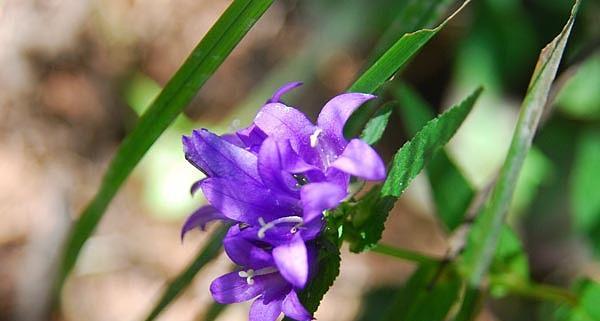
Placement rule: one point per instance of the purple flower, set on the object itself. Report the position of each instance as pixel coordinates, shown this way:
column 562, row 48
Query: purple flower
column 261, row 277
column 275, row 179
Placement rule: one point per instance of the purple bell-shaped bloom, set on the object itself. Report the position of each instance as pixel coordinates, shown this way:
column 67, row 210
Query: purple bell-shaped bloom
column 275, row 179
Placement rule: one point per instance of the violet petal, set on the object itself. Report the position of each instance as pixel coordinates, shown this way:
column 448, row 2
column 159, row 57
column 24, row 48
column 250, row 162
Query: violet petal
column 336, row 112
column 361, row 160
column 276, row 98
column 233, row 139
column 285, row 123
column 251, row 136
column 247, row 202
column 200, row 218
column 218, row 158
column 195, row 187
column 232, row 288
column 277, row 161
column 317, row 197
column 292, row 261
column 293, row 308
column 262, row 311
column 243, row 252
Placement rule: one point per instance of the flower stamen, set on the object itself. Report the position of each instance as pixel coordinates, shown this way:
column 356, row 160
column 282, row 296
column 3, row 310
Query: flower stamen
column 250, row 274
column 264, row 226
column 314, row 137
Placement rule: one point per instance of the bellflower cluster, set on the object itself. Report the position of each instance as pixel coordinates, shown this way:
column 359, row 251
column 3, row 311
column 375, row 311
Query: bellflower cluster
column 273, row 181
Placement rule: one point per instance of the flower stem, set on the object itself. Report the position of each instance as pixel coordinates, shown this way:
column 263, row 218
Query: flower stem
column 536, row 290
column 515, row 285
column 404, row 254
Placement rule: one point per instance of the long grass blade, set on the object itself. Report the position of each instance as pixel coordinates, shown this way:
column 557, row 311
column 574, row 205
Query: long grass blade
column 493, row 216
column 204, row 60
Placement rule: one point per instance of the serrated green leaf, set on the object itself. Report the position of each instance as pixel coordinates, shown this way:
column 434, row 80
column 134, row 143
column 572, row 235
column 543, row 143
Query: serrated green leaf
column 407, row 163
column 204, row 60
column 386, row 66
column 377, row 124
column 493, row 216
column 183, row 280
column 585, row 187
column 426, row 296
column 412, row 157
column 452, row 193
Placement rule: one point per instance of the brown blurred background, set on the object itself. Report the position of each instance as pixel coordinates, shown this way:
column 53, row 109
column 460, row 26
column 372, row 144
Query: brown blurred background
column 75, row 74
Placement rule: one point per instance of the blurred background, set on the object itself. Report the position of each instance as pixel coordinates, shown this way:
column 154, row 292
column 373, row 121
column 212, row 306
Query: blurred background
column 75, row 75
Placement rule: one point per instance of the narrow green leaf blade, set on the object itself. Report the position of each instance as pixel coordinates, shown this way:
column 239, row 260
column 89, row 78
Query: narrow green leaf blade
column 183, row 280
column 407, row 163
column 452, row 192
column 218, row 43
column 531, row 110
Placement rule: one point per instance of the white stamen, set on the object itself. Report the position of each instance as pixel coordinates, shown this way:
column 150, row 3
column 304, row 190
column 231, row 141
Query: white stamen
column 314, row 137
column 250, row 274
column 264, row 227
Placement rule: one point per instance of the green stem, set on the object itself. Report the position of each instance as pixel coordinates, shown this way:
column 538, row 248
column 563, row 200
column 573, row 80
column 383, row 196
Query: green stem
column 538, row 291
column 404, row 254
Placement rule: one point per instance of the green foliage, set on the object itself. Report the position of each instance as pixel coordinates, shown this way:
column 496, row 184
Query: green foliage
column 390, row 62
column 377, row 124
column 585, row 187
column 183, row 280
column 532, row 108
column 393, row 60
column 580, row 96
column 470, row 306
column 414, row 15
column 204, row 60
column 407, row 163
column 371, row 80
column 537, row 171
column 587, row 307
column 428, row 295
column 452, row 193
column 509, row 259
column 411, row 158
column 375, row 303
